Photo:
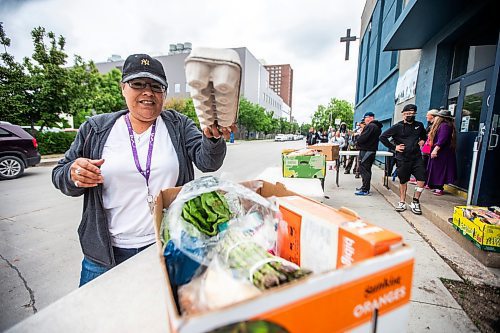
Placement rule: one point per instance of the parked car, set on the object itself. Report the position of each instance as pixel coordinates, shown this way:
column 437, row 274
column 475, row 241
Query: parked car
column 281, row 137
column 18, row 151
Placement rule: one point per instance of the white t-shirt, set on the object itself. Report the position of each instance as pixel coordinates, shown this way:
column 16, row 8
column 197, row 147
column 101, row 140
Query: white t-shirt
column 125, row 192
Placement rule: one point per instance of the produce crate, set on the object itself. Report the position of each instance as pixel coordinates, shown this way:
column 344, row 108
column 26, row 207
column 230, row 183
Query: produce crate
column 304, row 166
column 372, row 295
column 484, row 235
column 331, row 152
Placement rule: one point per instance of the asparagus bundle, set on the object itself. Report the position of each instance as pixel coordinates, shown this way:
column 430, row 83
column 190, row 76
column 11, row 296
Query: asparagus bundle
column 264, row 270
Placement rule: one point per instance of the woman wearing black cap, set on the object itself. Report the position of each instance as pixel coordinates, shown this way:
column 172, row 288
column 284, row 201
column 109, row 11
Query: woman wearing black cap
column 120, row 160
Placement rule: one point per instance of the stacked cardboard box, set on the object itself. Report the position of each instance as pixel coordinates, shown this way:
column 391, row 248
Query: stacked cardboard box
column 330, row 151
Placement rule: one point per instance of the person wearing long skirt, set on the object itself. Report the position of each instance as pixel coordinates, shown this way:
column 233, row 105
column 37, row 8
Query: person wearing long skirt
column 442, row 167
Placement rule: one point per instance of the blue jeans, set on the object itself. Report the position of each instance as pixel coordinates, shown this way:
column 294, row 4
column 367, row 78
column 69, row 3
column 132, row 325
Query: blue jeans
column 91, row 269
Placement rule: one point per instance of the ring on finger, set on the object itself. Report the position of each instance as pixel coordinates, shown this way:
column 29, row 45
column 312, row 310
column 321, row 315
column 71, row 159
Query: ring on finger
column 76, row 183
column 77, row 171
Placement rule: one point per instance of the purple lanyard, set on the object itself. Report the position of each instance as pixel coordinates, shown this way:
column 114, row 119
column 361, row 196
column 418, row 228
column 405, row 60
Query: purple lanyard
column 147, row 172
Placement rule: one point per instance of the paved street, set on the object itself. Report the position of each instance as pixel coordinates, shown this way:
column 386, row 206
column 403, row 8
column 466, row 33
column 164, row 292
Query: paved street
column 40, row 254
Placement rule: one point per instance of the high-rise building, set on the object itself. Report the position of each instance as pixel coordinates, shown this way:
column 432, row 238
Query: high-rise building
column 281, row 81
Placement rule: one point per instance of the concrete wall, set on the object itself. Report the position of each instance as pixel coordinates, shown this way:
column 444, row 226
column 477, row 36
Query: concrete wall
column 377, row 70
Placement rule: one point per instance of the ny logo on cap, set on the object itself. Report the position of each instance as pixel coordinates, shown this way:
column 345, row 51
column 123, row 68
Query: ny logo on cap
column 145, row 62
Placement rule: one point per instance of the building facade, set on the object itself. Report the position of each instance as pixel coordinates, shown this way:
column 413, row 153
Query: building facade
column 254, row 83
column 281, row 82
column 437, row 54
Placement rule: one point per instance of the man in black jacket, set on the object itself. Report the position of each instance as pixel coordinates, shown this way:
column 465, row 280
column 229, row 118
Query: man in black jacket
column 408, row 137
column 367, row 145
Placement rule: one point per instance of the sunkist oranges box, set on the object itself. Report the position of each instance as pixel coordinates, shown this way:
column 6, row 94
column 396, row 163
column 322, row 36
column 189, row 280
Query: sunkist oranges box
column 330, row 151
column 484, row 235
column 369, row 295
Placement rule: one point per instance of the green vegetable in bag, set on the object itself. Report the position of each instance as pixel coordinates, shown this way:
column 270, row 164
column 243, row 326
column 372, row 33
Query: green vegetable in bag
column 206, row 212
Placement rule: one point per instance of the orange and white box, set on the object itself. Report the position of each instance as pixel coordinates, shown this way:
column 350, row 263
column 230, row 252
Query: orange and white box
column 322, row 238
column 369, row 295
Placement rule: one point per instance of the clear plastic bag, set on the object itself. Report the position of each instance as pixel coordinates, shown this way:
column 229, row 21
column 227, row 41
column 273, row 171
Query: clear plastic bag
column 203, row 293
column 249, row 212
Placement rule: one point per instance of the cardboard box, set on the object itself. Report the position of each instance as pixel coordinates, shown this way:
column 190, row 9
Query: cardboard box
column 343, row 237
column 370, row 295
column 330, row 151
column 484, row 235
column 304, row 166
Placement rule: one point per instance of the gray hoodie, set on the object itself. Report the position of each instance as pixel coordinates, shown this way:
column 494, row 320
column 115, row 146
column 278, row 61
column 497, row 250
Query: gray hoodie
column 190, row 145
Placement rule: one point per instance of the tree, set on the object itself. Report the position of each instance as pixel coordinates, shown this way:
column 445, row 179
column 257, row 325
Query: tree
column 304, row 128
column 109, row 96
column 251, row 116
column 184, row 106
column 336, row 109
column 13, row 82
column 48, row 80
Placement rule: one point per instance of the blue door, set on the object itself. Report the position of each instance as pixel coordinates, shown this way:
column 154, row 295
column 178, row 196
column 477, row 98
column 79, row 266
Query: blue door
column 470, row 116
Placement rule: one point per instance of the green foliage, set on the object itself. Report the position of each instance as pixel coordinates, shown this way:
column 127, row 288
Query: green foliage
column 324, row 117
column 54, row 142
column 41, row 89
column 250, row 115
column 184, row 106
column 108, row 97
column 304, row 128
column 48, row 82
column 13, row 81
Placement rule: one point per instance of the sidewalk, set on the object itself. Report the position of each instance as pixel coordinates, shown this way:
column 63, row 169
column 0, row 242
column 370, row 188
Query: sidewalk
column 433, row 308
column 50, row 160
column 433, row 225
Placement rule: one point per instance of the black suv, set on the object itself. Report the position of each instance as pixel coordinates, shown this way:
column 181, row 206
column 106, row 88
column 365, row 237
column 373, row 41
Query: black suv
column 18, row 150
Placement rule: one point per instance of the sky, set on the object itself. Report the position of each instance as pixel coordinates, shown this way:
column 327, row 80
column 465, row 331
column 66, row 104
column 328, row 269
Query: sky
column 304, row 34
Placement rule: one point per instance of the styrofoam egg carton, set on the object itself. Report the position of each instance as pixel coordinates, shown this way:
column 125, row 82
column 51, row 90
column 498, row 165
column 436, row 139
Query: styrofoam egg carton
column 214, row 76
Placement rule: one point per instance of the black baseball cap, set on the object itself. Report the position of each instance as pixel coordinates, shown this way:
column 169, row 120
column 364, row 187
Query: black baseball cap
column 143, row 66
column 410, row 107
column 369, row 114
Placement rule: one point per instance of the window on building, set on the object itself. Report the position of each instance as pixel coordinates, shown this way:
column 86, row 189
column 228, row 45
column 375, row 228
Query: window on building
column 188, row 88
column 394, row 59
column 177, row 88
column 470, row 58
column 453, row 92
column 399, row 9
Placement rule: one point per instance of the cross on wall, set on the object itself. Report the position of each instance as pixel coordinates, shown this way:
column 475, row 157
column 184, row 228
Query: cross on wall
column 348, row 39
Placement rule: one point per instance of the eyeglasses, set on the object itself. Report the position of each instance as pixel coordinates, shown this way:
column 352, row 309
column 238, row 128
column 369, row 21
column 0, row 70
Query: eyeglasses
column 138, row 84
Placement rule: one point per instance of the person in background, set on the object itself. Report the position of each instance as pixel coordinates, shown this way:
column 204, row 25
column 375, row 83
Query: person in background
column 323, row 136
column 338, row 140
column 408, row 137
column 426, row 148
column 367, row 144
column 331, row 133
column 311, row 137
column 353, row 146
column 119, row 161
column 442, row 167
column 344, row 133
